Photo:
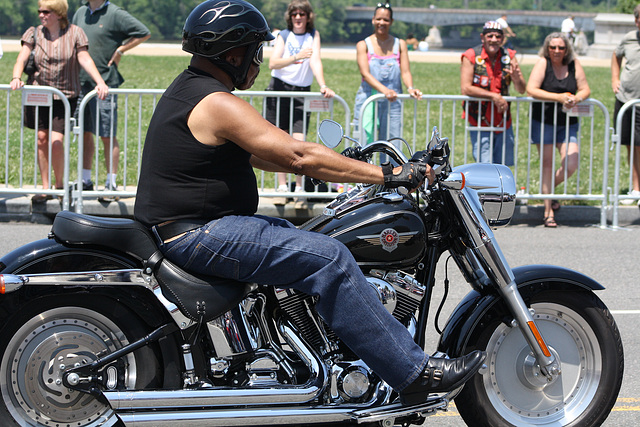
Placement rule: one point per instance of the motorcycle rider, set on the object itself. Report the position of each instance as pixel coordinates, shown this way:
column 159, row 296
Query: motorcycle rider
column 198, row 193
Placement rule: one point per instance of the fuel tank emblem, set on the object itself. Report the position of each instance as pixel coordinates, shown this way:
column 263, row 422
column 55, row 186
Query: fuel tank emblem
column 388, row 239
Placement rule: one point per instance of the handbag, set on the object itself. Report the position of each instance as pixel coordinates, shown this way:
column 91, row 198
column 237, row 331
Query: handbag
column 30, row 68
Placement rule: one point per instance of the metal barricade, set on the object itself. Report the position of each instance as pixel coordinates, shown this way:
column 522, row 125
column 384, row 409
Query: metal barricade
column 138, row 106
column 20, row 162
column 590, row 181
column 633, row 108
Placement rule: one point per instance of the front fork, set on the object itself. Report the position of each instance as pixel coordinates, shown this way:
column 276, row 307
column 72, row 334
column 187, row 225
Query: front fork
column 484, row 258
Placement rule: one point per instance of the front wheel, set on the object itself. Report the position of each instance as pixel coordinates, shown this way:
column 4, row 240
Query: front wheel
column 582, row 335
column 48, row 338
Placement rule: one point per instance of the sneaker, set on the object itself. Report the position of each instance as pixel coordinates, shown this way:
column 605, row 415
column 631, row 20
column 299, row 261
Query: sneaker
column 86, row 186
column 280, row 201
column 109, row 198
column 634, row 193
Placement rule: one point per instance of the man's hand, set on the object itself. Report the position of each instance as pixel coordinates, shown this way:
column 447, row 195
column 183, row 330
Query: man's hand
column 409, row 175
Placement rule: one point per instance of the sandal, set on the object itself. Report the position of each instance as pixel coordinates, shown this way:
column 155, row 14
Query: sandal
column 41, row 198
column 555, row 205
column 550, row 222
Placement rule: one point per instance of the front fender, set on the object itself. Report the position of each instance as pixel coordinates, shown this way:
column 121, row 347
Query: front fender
column 477, row 307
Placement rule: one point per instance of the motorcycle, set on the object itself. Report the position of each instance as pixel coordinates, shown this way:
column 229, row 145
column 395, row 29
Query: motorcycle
column 98, row 329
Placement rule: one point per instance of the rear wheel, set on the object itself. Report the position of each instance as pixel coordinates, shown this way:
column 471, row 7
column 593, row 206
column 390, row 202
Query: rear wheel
column 584, row 338
column 44, row 342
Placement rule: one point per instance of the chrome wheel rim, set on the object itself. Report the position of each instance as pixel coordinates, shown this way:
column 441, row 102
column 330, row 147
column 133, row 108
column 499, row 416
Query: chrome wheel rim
column 514, row 384
column 39, row 353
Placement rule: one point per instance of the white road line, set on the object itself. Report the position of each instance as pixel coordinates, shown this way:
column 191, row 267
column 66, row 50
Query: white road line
column 625, row 311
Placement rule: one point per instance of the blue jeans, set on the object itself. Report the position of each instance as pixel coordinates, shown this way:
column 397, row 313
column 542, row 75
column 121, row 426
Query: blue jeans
column 502, row 141
column 553, row 135
column 271, row 251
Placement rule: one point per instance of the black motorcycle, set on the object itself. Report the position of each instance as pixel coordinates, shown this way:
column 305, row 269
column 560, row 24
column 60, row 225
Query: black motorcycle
column 98, row 329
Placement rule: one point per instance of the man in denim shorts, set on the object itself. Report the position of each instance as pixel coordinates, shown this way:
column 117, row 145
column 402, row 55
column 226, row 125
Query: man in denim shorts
column 111, row 32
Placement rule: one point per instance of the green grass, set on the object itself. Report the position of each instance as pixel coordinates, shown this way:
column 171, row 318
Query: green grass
column 342, row 76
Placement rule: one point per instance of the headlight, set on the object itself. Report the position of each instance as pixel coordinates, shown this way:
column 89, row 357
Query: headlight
column 495, row 189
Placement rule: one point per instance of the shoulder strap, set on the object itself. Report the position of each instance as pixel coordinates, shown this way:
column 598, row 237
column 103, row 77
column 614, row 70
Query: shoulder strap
column 368, row 43
column 396, row 46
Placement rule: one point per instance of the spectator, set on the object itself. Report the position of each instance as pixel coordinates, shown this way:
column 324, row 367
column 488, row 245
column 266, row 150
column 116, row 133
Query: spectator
column 212, row 140
column 568, row 27
column 111, row 32
column 294, row 62
column 559, row 78
column 60, row 51
column 506, row 29
column 412, row 42
column 486, row 71
column 626, row 86
column 383, row 61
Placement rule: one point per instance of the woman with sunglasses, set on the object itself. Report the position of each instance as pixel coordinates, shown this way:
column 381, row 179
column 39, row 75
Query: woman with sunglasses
column 60, row 50
column 560, row 81
column 383, row 61
column 294, row 62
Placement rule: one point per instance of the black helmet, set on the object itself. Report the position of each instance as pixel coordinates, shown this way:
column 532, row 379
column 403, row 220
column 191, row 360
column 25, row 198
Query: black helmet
column 216, row 26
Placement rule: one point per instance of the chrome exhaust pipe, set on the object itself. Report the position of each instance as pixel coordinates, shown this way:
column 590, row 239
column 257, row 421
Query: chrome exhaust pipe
column 279, row 415
column 136, row 400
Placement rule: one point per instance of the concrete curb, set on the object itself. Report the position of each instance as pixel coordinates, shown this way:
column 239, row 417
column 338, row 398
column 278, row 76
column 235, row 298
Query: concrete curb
column 21, row 209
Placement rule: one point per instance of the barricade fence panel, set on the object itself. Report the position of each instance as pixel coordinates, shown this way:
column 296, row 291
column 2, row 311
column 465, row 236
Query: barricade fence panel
column 626, row 176
column 20, row 161
column 589, row 182
column 135, row 108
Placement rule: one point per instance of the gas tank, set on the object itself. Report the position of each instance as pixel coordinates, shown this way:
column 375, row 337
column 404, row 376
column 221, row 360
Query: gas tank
column 380, row 229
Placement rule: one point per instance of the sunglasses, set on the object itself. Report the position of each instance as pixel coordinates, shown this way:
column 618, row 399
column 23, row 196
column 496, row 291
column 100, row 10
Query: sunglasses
column 300, row 14
column 383, row 5
column 258, row 57
column 44, row 12
column 557, row 47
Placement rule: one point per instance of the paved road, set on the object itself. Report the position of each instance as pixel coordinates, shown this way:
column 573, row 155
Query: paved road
column 610, row 257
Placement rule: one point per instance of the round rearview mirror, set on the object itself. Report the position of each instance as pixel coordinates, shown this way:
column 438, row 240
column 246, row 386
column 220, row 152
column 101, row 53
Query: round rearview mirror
column 330, row 133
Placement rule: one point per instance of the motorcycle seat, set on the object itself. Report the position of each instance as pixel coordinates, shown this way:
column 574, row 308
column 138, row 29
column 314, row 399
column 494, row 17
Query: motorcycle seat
column 121, row 234
column 195, row 295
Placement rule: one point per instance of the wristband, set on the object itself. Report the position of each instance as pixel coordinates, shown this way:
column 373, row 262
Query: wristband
column 410, row 88
column 16, row 78
column 119, row 52
column 323, row 86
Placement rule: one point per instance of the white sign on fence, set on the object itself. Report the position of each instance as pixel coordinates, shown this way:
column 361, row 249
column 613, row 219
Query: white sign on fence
column 317, row 105
column 39, row 99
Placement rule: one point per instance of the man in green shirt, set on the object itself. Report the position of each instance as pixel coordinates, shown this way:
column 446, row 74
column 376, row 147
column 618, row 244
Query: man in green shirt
column 111, row 31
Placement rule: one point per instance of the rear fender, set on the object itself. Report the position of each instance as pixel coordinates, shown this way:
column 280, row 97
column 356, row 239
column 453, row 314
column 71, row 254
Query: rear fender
column 49, row 256
column 477, row 308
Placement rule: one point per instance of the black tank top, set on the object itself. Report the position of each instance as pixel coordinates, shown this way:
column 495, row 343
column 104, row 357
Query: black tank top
column 552, row 84
column 181, row 178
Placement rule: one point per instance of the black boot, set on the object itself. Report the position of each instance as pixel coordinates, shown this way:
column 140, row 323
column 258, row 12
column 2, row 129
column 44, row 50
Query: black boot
column 440, row 375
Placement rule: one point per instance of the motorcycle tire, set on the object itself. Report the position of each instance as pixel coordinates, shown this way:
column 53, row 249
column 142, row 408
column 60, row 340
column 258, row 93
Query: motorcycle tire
column 52, row 334
column 582, row 335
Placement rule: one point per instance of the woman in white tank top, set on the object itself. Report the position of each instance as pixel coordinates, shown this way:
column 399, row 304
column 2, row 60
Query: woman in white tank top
column 294, row 62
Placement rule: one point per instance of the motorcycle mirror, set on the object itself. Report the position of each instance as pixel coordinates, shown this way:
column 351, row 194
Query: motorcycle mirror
column 435, row 139
column 330, row 133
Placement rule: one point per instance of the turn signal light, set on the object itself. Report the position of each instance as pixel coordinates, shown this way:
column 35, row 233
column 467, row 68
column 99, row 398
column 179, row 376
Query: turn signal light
column 541, row 343
column 3, row 288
